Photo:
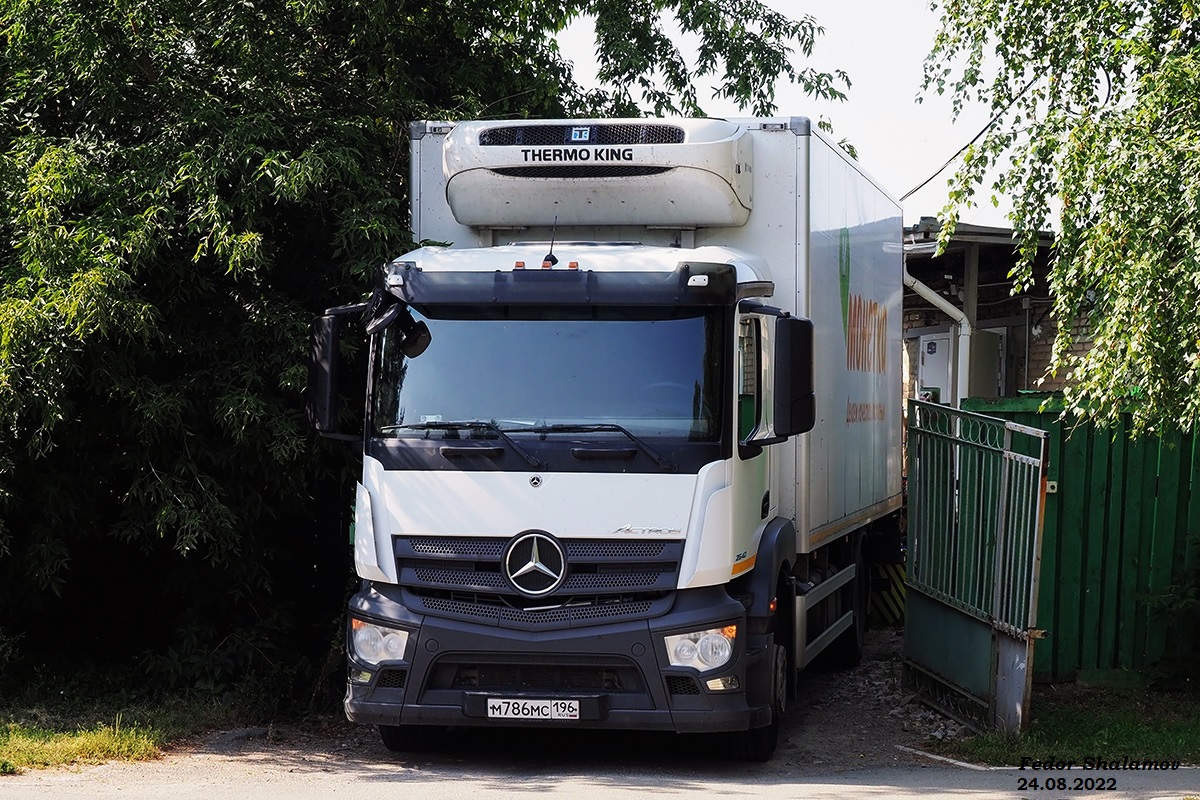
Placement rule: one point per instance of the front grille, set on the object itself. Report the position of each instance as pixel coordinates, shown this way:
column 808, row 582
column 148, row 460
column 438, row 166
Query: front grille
column 600, row 674
column 681, row 684
column 641, row 577
column 487, row 548
column 606, row 579
column 615, row 550
column 628, row 580
column 582, row 171
column 457, row 548
column 460, row 578
column 535, row 678
column 556, row 617
column 601, row 134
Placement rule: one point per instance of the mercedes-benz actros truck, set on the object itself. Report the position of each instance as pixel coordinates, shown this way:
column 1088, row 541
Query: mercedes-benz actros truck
column 632, row 427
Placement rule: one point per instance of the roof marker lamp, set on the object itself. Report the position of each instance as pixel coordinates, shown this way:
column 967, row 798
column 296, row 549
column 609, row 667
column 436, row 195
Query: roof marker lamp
column 701, row 650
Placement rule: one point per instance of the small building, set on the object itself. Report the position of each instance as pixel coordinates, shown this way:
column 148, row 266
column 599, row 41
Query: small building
column 963, row 300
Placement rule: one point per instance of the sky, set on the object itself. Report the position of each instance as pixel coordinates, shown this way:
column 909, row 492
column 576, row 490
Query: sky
column 882, row 44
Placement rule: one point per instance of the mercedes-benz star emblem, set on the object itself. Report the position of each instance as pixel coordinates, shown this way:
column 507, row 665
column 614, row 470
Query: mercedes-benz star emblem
column 535, row 564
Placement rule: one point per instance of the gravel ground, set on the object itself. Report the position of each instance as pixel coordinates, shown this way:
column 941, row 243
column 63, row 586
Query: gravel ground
column 848, row 720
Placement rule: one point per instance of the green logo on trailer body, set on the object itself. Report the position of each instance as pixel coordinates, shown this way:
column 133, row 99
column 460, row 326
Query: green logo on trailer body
column 844, row 276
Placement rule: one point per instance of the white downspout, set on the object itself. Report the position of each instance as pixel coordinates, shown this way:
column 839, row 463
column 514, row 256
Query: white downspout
column 964, row 332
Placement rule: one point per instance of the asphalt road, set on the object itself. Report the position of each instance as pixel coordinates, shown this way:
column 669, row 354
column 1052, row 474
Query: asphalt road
column 508, row 764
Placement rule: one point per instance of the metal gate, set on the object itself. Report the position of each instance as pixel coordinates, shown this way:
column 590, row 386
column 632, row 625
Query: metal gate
column 976, row 501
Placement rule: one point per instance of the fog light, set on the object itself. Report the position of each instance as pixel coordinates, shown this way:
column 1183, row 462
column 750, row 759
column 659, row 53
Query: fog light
column 360, row 676
column 724, row 684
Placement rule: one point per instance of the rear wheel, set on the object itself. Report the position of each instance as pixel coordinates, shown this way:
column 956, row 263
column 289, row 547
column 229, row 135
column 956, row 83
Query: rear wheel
column 412, row 738
column 846, row 651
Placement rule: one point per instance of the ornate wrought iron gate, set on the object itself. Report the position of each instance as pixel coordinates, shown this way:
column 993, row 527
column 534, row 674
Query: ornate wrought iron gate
column 976, row 501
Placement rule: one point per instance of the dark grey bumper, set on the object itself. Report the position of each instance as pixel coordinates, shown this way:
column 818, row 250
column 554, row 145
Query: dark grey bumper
column 618, row 671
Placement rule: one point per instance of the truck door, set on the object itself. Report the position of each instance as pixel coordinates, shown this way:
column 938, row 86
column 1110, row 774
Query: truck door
column 751, row 471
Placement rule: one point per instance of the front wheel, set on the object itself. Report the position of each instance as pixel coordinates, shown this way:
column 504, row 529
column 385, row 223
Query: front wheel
column 759, row 744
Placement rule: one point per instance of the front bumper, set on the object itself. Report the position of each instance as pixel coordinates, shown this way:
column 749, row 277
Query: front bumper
column 618, row 671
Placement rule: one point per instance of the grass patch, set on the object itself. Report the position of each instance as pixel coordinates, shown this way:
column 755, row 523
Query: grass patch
column 1077, row 722
column 88, row 728
column 24, row 745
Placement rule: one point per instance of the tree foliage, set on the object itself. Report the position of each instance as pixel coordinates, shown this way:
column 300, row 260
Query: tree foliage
column 185, row 183
column 1097, row 128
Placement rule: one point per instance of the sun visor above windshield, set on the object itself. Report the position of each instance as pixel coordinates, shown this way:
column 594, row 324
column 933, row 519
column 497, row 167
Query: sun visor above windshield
column 677, row 173
column 690, row 284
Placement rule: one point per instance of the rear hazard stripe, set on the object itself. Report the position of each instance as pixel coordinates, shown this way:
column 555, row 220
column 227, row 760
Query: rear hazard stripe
column 887, row 604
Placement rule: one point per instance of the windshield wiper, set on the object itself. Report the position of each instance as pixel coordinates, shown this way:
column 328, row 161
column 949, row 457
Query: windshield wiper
column 664, row 464
column 470, row 425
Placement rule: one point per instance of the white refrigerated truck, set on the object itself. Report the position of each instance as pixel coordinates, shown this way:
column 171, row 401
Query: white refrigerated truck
column 632, row 427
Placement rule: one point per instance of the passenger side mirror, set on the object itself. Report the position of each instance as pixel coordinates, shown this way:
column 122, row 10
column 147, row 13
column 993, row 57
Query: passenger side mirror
column 794, row 390
column 782, row 356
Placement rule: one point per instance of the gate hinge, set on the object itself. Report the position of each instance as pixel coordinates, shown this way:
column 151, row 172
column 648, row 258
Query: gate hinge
column 1036, row 633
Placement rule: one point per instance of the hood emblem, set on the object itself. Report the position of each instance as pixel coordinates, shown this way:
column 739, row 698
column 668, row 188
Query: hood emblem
column 535, row 563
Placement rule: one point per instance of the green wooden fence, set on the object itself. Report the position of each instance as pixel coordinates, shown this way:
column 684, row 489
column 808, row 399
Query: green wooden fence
column 1118, row 520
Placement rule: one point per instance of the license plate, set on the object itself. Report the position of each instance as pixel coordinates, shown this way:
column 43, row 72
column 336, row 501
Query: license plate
column 511, row 708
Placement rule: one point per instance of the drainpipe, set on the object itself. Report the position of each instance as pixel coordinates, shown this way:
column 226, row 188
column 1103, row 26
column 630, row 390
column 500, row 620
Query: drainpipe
column 963, row 368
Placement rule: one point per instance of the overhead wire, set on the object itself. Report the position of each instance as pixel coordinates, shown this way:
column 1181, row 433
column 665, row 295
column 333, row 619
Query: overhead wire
column 976, row 138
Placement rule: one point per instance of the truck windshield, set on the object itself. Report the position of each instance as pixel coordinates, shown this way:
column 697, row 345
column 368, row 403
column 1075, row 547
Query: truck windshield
column 658, row 372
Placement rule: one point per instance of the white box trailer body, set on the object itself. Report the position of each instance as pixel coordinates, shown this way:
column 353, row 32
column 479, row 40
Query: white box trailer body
column 693, row 552
column 822, row 231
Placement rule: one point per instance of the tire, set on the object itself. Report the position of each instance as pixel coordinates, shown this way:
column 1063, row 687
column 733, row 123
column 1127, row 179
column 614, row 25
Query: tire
column 846, row 651
column 785, row 634
column 412, row 738
column 759, row 744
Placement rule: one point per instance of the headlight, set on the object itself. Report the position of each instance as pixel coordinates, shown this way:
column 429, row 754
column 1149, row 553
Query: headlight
column 375, row 643
column 703, row 650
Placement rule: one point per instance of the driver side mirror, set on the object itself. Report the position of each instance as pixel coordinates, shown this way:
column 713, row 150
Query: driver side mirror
column 324, row 370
